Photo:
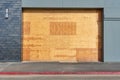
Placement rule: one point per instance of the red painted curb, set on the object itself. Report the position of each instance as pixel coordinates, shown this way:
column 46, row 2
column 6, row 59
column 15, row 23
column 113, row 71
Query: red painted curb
column 59, row 73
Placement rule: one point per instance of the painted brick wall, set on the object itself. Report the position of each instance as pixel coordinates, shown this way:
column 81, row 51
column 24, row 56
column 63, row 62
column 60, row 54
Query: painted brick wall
column 10, row 30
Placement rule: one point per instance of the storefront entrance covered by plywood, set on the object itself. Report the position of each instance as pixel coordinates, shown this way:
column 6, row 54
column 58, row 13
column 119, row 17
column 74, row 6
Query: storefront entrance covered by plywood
column 51, row 35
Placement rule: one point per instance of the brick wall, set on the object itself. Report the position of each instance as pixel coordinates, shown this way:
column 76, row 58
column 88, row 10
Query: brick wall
column 10, row 30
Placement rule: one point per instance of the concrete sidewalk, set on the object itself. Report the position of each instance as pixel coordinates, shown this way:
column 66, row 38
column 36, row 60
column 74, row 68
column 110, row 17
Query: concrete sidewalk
column 58, row 67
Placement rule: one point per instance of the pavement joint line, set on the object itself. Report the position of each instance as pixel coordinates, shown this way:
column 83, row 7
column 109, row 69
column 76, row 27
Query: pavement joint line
column 59, row 73
column 8, row 64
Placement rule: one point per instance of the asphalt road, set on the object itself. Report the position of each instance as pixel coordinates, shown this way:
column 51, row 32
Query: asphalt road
column 60, row 77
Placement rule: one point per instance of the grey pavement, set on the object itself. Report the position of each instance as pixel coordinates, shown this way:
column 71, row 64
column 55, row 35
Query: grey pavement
column 58, row 67
column 60, row 77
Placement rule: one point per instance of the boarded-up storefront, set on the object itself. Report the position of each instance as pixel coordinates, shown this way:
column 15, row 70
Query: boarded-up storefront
column 52, row 35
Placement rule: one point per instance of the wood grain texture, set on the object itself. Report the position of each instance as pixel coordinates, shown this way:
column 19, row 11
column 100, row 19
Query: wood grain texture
column 62, row 28
column 62, row 35
column 26, row 55
column 26, row 28
column 87, row 55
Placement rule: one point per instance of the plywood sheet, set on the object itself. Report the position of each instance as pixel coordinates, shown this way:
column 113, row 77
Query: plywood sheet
column 62, row 35
column 62, row 28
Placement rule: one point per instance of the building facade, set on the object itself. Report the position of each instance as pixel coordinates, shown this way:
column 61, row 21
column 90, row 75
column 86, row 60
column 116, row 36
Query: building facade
column 60, row 30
